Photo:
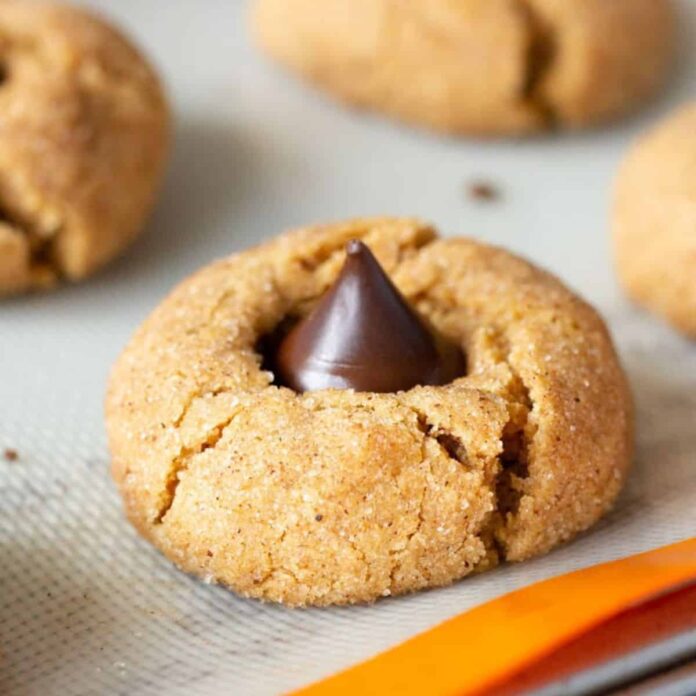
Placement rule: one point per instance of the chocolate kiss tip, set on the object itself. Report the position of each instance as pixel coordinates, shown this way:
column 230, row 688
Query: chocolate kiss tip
column 363, row 335
column 356, row 247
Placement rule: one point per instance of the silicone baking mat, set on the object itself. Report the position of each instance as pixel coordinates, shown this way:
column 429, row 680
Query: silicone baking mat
column 86, row 607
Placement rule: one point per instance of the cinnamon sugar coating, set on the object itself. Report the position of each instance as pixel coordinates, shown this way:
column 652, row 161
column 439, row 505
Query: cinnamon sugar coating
column 84, row 131
column 339, row 497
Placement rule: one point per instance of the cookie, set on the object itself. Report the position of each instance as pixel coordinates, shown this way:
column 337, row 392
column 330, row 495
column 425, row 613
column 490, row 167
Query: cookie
column 654, row 221
column 340, row 496
column 481, row 67
column 84, row 132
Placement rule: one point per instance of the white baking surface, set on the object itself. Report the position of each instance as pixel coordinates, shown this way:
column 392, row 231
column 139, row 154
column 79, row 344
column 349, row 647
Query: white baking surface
column 86, row 607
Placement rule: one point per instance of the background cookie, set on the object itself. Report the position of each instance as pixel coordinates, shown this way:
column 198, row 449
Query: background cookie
column 476, row 66
column 336, row 496
column 655, row 220
column 83, row 138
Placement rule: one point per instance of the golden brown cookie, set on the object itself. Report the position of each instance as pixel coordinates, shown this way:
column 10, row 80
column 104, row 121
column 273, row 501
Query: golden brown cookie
column 336, row 496
column 655, row 220
column 83, row 138
column 483, row 67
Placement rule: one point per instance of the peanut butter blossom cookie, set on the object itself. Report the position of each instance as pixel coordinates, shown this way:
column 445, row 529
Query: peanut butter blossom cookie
column 358, row 410
column 476, row 66
column 655, row 220
column 83, row 137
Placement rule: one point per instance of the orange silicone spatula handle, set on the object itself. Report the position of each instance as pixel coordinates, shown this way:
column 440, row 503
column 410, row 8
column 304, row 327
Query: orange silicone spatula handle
column 479, row 648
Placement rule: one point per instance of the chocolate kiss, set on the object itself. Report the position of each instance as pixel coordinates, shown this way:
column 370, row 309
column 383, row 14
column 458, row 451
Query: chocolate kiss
column 363, row 335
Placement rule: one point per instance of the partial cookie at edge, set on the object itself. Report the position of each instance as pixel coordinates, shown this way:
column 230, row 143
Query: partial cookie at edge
column 83, row 142
column 654, row 220
column 477, row 67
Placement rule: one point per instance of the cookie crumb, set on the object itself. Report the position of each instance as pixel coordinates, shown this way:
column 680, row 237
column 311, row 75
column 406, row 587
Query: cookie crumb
column 483, row 191
column 319, row 517
column 11, row 455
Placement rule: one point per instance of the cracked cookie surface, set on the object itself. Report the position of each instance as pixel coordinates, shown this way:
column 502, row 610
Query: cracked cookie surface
column 83, row 140
column 340, row 497
column 483, row 67
column 654, row 220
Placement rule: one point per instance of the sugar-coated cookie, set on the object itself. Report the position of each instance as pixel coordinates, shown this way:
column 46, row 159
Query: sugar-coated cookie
column 340, row 496
column 83, row 138
column 482, row 67
column 655, row 220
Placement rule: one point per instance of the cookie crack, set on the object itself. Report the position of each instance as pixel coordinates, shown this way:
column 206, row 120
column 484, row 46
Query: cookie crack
column 182, row 461
column 193, row 398
column 517, row 442
column 514, row 459
column 451, row 446
column 186, row 408
column 539, row 61
column 42, row 265
column 426, row 429
column 507, row 484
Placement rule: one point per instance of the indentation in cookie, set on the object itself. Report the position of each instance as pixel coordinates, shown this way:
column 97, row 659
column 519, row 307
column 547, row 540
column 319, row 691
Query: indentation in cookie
column 362, row 334
column 267, row 345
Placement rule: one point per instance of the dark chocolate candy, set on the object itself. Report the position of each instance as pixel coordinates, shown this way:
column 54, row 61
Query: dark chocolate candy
column 363, row 335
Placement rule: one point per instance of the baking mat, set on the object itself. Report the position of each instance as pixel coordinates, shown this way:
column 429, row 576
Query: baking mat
column 86, row 607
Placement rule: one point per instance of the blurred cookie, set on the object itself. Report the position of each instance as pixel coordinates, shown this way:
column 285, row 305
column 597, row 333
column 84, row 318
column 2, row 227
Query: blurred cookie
column 342, row 496
column 655, row 220
column 84, row 131
column 482, row 67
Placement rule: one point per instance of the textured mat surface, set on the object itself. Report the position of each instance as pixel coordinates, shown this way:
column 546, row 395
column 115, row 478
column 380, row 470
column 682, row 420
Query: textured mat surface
column 88, row 608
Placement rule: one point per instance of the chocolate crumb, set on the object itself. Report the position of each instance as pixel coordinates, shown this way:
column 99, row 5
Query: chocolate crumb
column 319, row 518
column 11, row 455
column 209, row 554
column 483, row 191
